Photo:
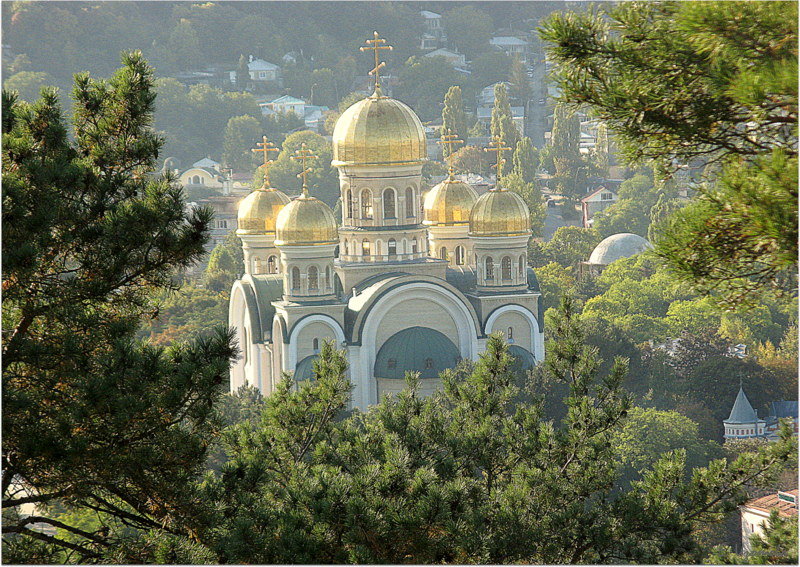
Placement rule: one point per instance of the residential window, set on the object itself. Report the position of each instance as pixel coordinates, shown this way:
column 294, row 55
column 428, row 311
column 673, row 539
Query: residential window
column 222, row 223
column 262, row 74
column 606, row 196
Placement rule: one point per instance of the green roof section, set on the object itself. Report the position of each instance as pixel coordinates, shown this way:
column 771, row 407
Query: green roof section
column 416, row 349
column 305, row 368
column 522, row 357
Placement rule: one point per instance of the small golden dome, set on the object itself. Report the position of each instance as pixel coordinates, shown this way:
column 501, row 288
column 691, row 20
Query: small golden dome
column 259, row 210
column 379, row 131
column 306, row 221
column 449, row 203
column 500, row 213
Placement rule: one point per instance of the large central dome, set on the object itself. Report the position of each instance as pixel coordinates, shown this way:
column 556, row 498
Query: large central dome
column 379, row 131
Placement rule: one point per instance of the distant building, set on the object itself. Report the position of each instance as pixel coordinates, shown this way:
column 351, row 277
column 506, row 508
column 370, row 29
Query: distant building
column 434, row 35
column 311, row 114
column 484, row 116
column 204, row 172
column 744, row 423
column 511, row 46
column 260, row 71
column 755, row 513
column 486, row 96
column 597, row 201
column 455, row 59
column 611, row 249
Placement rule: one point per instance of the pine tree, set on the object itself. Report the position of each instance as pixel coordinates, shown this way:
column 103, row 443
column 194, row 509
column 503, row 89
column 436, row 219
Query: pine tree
column 454, row 119
column 92, row 419
column 503, row 123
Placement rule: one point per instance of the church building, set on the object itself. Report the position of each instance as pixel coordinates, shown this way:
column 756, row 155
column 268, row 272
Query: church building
column 402, row 284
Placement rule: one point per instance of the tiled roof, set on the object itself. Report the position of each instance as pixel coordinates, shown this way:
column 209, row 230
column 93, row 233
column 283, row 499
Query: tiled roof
column 776, row 502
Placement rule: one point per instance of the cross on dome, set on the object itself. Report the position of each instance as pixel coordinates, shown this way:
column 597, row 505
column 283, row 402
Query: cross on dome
column 264, row 147
column 496, row 146
column 447, row 140
column 302, row 155
column 376, row 44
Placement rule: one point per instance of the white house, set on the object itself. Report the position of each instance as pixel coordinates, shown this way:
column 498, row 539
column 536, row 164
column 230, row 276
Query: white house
column 434, row 35
column 512, row 46
column 755, row 513
column 260, row 71
column 455, row 59
column 598, row 201
column 284, row 104
column 486, row 96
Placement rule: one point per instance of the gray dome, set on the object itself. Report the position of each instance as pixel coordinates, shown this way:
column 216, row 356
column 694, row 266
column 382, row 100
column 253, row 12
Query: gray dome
column 616, row 246
column 416, row 349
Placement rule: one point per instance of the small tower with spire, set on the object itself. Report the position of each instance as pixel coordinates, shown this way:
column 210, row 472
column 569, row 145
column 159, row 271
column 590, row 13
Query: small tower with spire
column 257, row 215
column 447, row 208
column 743, row 422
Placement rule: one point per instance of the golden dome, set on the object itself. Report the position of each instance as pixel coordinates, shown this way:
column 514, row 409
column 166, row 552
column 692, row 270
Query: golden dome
column 500, row 213
column 259, row 210
column 379, row 131
column 306, row 221
column 449, row 203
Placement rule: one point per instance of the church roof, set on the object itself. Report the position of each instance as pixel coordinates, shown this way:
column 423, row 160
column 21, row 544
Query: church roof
column 783, row 409
column 522, row 357
column 266, row 288
column 742, row 411
column 305, row 368
column 616, row 246
column 416, row 349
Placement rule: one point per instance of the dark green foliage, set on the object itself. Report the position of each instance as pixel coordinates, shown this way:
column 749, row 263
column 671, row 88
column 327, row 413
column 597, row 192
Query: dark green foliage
column 473, row 473
column 423, row 83
column 503, row 124
column 520, row 89
column 225, row 265
column 454, row 119
column 91, row 417
column 778, row 545
column 714, row 82
column 241, row 135
column 525, row 161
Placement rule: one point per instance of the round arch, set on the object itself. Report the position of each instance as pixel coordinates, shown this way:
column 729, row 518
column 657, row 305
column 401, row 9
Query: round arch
column 538, row 354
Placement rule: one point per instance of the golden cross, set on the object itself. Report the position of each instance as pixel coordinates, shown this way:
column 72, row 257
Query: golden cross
column 447, row 140
column 302, row 155
column 264, row 147
column 375, row 45
column 496, row 146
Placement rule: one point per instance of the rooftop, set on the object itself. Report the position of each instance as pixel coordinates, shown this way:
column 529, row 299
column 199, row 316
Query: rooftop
column 785, row 502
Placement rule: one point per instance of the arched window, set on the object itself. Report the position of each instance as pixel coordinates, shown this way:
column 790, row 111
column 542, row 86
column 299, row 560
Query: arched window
column 443, row 253
column 460, row 256
column 489, row 268
column 272, row 265
column 328, row 277
column 366, row 204
column 365, row 248
column 389, row 210
column 313, row 278
column 315, row 345
column 411, row 206
column 505, row 269
column 258, row 265
column 295, row 279
column 428, row 363
column 392, row 248
column 414, row 246
column 196, row 180
column 510, row 333
column 348, row 196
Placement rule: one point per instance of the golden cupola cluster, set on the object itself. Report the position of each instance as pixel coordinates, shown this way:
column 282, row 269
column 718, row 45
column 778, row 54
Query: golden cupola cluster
column 449, row 203
column 500, row 212
column 258, row 211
